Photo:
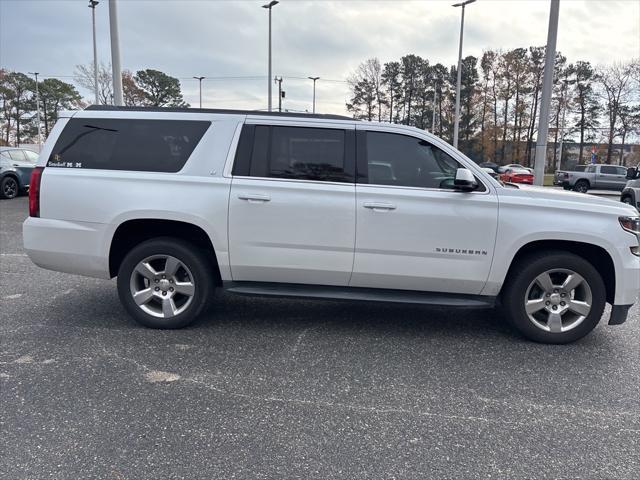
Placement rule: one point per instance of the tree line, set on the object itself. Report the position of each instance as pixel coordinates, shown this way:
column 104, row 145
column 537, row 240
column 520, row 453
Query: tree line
column 18, row 102
column 500, row 101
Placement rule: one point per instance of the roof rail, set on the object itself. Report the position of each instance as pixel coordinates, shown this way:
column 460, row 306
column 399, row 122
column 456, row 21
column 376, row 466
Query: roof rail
column 112, row 108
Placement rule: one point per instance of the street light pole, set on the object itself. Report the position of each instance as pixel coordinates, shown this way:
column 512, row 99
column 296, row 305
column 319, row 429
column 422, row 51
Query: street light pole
column 35, row 74
column 269, row 6
column 200, row 82
column 545, row 100
column 456, row 124
column 92, row 6
column 115, row 53
column 315, row 79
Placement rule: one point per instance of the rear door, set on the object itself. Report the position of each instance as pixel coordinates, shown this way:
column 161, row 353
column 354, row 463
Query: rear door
column 414, row 232
column 292, row 203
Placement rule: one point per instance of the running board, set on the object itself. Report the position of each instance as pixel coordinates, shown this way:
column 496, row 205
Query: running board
column 293, row 290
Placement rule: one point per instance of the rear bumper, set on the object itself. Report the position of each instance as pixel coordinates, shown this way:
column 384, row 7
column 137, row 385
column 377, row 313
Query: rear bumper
column 70, row 247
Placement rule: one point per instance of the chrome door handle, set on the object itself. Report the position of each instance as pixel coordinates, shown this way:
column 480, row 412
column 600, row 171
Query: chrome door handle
column 254, row 197
column 379, row 207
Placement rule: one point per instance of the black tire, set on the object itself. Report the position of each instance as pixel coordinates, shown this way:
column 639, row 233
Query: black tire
column 9, row 187
column 581, row 186
column 526, row 271
column 627, row 199
column 190, row 256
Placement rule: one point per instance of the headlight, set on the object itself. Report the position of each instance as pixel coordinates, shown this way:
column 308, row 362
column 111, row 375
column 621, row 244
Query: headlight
column 630, row 224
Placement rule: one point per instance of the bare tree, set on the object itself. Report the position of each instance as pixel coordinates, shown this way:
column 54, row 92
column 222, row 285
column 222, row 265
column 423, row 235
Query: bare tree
column 616, row 90
column 84, row 77
column 366, row 90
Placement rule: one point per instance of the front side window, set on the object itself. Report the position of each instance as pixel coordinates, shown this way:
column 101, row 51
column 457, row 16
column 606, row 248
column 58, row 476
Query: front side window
column 301, row 153
column 127, row 144
column 404, row 161
column 31, row 156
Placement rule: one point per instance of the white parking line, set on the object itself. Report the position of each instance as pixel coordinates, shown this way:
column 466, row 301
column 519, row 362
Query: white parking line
column 13, row 254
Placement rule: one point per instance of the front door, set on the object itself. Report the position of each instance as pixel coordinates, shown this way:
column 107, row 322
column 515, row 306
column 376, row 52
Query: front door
column 414, row 232
column 292, row 205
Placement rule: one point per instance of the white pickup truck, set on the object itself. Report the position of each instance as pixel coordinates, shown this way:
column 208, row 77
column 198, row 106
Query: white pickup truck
column 592, row 177
column 177, row 203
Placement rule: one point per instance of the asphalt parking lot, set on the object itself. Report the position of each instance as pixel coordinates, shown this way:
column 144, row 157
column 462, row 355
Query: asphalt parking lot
column 269, row 388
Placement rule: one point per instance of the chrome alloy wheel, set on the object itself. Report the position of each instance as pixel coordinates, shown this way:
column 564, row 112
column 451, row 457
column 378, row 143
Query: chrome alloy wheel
column 558, row 300
column 162, row 286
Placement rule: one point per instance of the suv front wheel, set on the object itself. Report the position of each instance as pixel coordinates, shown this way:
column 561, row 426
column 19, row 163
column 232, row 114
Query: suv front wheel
column 165, row 283
column 554, row 297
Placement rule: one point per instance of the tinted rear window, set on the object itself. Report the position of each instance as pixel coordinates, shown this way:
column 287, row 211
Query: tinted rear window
column 123, row 144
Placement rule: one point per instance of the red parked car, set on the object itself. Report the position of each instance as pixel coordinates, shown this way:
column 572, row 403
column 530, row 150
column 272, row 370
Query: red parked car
column 517, row 175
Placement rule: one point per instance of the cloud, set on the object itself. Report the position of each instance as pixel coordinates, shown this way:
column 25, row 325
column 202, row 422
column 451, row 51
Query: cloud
column 326, row 38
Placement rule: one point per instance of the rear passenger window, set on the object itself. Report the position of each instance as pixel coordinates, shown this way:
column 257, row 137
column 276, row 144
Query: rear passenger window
column 17, row 155
column 608, row 170
column 127, row 144
column 301, row 153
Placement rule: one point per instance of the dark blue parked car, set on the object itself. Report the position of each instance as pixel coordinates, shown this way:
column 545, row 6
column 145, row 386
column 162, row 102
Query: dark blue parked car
column 16, row 165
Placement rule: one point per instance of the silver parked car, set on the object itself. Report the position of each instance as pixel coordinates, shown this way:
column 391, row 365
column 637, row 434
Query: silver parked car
column 16, row 165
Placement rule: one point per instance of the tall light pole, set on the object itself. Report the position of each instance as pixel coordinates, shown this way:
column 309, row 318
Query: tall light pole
column 200, row 82
column 92, row 6
column 115, row 53
column 269, row 6
column 35, row 74
column 315, row 79
column 456, row 124
column 545, row 100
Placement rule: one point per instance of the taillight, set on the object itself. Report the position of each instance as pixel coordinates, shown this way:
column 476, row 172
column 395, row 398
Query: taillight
column 34, row 192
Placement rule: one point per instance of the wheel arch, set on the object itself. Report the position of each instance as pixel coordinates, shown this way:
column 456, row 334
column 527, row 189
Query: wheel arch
column 133, row 232
column 13, row 175
column 594, row 254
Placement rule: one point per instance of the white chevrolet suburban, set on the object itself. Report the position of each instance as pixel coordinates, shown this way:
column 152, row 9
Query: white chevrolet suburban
column 176, row 202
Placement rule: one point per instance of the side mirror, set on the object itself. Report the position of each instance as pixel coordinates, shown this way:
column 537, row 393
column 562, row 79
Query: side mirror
column 464, row 180
column 632, row 173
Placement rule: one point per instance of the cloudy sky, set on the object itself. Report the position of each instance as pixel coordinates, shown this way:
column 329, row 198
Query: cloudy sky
column 227, row 38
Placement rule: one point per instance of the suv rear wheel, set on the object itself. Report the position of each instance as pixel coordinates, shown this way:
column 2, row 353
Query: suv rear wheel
column 554, row 297
column 165, row 283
